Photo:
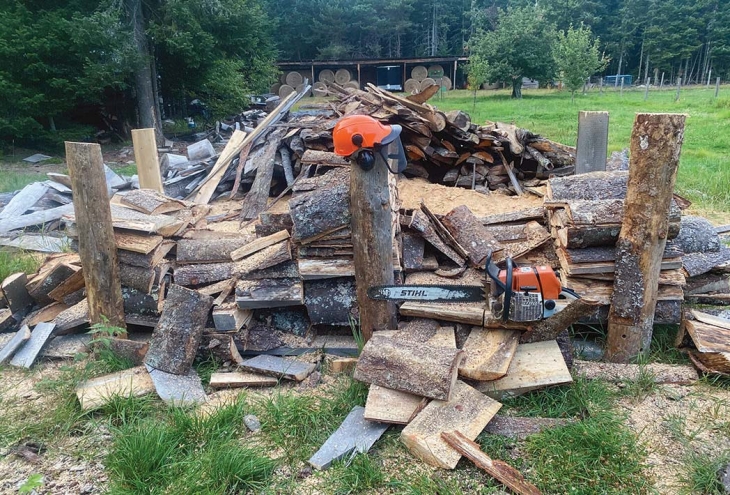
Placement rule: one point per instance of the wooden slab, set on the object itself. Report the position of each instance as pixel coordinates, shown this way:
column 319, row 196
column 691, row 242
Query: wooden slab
column 94, row 393
column 488, row 353
column 73, row 317
column 217, row 250
column 354, row 434
column 19, row 339
column 67, row 346
column 708, row 338
column 259, row 244
column 15, row 292
column 151, row 202
column 392, row 406
column 342, row 365
column 709, row 319
column 6, row 319
column 534, row 366
column 269, row 293
column 143, row 244
column 178, row 390
column 23, row 201
column 618, row 372
column 279, row 367
column 26, row 355
column 240, row 379
column 315, row 269
column 230, row 318
column 468, row 411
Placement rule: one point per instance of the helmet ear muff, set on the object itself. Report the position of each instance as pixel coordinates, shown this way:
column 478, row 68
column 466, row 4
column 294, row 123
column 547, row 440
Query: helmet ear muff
column 365, row 160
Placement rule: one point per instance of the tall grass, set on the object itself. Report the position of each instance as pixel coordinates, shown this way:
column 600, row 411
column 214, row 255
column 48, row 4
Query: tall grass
column 704, row 172
column 12, row 261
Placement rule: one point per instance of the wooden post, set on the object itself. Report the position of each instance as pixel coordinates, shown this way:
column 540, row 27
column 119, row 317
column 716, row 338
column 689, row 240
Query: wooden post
column 661, row 84
column 359, row 79
column 679, row 87
column 709, row 78
column 646, row 89
column 717, row 87
column 97, row 247
column 600, row 87
column 372, row 239
column 622, row 85
column 656, row 142
column 145, row 155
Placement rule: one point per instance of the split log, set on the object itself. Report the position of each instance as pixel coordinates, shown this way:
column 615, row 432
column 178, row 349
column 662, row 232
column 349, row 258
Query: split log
column 499, row 470
column 220, row 346
column 266, row 258
column 133, row 350
column 468, row 411
column 209, row 250
column 550, row 328
column 230, row 318
column 40, row 287
column 471, row 234
column 241, row 379
column 386, row 405
column 177, row 336
column 320, row 212
column 488, row 353
column 256, row 199
column 151, row 202
column 75, row 316
column 272, row 293
column 331, row 301
column 592, row 186
column 315, row 157
column 655, row 147
column 43, row 315
column 695, row 264
column 315, row 269
column 198, row 274
column 421, row 223
column 6, row 319
column 259, row 244
column 149, row 260
column 288, row 369
column 15, row 293
column 537, row 213
column 443, row 232
column 141, row 279
column 143, row 244
column 418, row 369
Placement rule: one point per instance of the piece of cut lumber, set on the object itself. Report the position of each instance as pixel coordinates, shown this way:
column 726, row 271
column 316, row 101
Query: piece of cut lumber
column 386, row 405
column 151, row 202
column 6, row 318
column 205, row 273
column 45, row 314
column 178, row 390
column 521, row 428
column 128, row 219
column 145, row 155
column 708, row 337
column 42, row 285
column 709, row 319
column 73, row 317
column 354, row 434
column 149, row 260
column 316, row 157
column 443, row 232
column 315, row 269
column 536, row 365
column 26, row 355
column 221, row 346
column 468, row 411
column 67, row 346
column 41, row 217
column 269, row 293
column 711, row 362
column 235, row 144
column 68, row 286
column 418, row 329
column 15, row 293
column 620, row 372
column 143, row 244
column 342, row 365
column 536, row 213
column 177, row 335
column 499, row 470
column 695, row 264
column 488, row 353
column 94, row 393
column 257, row 197
column 419, row 369
column 267, row 257
column 591, row 186
column 470, row 233
column 19, row 339
column 136, row 277
column 331, row 301
column 239, row 379
column 259, row 244
column 288, row 369
column 320, row 212
column 551, row 327
column 413, row 251
column 23, row 201
column 224, row 286
column 228, row 317
column 421, row 223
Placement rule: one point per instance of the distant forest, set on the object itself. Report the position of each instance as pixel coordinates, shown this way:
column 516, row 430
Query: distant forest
column 678, row 37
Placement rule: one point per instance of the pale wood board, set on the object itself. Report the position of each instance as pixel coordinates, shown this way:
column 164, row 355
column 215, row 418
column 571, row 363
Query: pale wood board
column 134, row 382
column 386, row 405
column 241, row 379
column 259, row 244
column 488, row 353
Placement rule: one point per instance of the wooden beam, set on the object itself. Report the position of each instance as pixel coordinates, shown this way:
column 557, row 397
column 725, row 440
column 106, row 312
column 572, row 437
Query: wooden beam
column 97, row 247
column 145, row 156
column 656, row 143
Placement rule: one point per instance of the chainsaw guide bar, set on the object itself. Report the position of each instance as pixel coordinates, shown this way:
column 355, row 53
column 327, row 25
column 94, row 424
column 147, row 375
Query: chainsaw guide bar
column 433, row 293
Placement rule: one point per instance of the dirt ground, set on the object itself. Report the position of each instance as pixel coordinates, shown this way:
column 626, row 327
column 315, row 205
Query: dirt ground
column 667, row 422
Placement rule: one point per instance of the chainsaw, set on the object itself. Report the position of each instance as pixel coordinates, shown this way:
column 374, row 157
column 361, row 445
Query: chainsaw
column 518, row 294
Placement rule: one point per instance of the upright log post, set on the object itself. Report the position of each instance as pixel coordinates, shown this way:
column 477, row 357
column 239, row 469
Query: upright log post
column 372, row 239
column 656, row 142
column 97, row 247
column 145, row 156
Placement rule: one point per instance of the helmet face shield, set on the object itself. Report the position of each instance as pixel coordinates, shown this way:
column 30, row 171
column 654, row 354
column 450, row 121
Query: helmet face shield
column 392, row 150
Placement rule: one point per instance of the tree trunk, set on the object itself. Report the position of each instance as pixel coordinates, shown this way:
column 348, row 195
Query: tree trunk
column 517, row 87
column 143, row 72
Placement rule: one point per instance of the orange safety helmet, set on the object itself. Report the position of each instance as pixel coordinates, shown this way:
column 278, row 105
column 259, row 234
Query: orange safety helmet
column 355, row 134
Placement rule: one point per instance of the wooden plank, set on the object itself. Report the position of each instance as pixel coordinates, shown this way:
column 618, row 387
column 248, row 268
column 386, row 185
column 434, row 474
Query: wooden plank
column 320, row 212
column 94, row 393
column 68, row 286
column 258, row 244
column 143, row 244
column 257, row 197
column 409, row 367
column 151, row 202
column 269, row 293
column 42, row 217
column 288, row 369
column 40, row 243
column 709, row 319
column 536, row 213
column 46, row 314
column 23, row 201
column 315, row 269
column 354, row 434
column 499, row 470
column 266, row 258
column 15, row 292
column 534, row 366
column 708, row 337
column 488, row 353
column 20, row 338
column 42, row 286
column 176, row 337
column 26, row 355
column 235, row 144
column 239, row 379
column 342, row 365
column 620, row 372
column 145, row 156
column 149, row 260
column 468, row 411
column 75, row 316
column 386, row 405
column 316, row 157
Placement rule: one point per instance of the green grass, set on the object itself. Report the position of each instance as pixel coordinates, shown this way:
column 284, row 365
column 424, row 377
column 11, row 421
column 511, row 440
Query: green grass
column 701, row 473
column 704, row 172
column 13, row 181
column 580, row 398
column 12, row 261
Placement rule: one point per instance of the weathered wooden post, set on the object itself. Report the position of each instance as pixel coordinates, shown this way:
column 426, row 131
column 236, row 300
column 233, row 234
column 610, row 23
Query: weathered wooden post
column 679, row 88
column 145, row 156
column 372, row 239
column 656, row 142
column 717, row 87
column 592, row 145
column 97, row 247
column 646, row 89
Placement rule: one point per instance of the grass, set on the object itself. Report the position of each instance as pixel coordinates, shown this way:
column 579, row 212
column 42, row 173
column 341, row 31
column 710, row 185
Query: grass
column 581, row 398
column 12, row 261
column 701, row 473
column 704, row 172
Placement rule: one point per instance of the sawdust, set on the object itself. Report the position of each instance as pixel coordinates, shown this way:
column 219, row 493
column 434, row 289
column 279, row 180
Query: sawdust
column 442, row 199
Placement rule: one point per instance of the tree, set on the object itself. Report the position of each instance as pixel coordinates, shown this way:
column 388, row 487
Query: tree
column 520, row 46
column 477, row 72
column 577, row 57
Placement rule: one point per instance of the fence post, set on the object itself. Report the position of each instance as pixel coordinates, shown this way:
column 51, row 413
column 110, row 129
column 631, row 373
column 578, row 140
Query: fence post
column 679, row 87
column 622, row 86
column 646, row 90
column 661, row 85
column 717, row 87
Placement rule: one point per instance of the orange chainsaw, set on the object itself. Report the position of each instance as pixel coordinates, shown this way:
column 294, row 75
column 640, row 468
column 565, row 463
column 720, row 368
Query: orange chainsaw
column 519, row 294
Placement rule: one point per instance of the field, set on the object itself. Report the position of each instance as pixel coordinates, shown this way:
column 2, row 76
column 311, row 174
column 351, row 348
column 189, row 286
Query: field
column 634, row 437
